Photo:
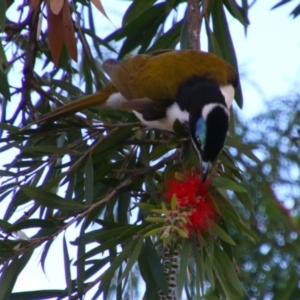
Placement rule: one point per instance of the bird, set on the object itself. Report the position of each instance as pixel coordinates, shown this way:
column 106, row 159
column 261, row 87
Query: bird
column 193, row 86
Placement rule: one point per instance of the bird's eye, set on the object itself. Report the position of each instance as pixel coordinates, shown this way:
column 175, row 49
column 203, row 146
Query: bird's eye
column 198, row 140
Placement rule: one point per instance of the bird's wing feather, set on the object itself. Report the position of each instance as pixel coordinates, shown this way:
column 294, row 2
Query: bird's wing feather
column 137, row 104
column 158, row 77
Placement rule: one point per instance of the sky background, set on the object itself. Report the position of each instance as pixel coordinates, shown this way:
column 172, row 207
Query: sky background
column 269, row 61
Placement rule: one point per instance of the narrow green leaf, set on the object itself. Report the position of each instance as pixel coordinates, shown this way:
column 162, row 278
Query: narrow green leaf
column 179, row 176
column 213, row 45
column 151, row 288
column 140, row 31
column 208, row 270
column 228, row 269
column 156, row 267
column 296, row 11
column 245, row 149
column 240, row 225
column 8, row 127
column 174, row 143
column 160, row 211
column 119, row 293
column 50, row 200
column 102, row 235
column 245, row 200
column 44, row 254
column 222, row 279
column 4, row 225
column 152, row 232
column 80, row 266
column 4, row 87
column 159, row 151
column 280, row 3
column 169, row 39
column 236, row 11
column 3, row 60
column 96, row 265
column 132, row 259
column 97, row 250
column 210, row 247
column 198, row 257
column 228, row 184
column 184, row 41
column 89, row 181
column 174, row 202
column 124, row 206
column 67, row 86
column 136, row 9
column 2, row 15
column 67, row 262
column 145, row 206
column 53, row 183
column 71, row 180
column 37, row 295
column 10, row 274
column 155, row 219
column 124, row 254
column 172, row 4
column 226, row 161
column 49, row 150
column 182, row 274
column 113, row 140
column 223, row 235
column 222, row 33
column 31, row 223
column 183, row 233
column 252, row 156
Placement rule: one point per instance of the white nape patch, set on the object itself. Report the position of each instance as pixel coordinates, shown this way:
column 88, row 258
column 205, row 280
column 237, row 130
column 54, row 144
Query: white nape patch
column 209, row 107
column 114, row 101
column 173, row 113
column 228, row 93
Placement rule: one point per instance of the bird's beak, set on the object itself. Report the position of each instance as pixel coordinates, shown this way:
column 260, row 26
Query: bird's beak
column 205, row 169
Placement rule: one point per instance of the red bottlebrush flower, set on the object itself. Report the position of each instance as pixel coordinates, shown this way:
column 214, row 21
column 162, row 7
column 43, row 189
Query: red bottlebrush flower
column 193, row 198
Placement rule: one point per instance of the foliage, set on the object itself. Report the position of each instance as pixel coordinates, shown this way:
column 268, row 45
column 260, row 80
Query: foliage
column 103, row 172
column 272, row 267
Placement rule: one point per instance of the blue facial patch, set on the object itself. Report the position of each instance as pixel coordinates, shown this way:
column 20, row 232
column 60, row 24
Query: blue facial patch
column 200, row 132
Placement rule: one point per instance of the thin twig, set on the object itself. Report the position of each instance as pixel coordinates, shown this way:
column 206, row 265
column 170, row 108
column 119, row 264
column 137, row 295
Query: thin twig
column 152, row 142
column 157, row 166
column 11, row 28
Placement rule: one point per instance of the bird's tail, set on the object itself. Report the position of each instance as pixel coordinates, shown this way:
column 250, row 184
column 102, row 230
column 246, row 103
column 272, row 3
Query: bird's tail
column 94, row 100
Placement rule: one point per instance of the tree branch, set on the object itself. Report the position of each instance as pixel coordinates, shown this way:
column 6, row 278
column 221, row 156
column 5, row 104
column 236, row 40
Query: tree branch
column 194, row 18
column 30, row 56
column 33, row 242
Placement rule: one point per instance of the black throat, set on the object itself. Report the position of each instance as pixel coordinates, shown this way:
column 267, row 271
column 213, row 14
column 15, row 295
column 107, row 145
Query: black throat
column 217, row 126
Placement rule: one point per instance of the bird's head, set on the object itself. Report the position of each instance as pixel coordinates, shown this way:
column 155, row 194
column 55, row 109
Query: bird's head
column 208, row 118
column 208, row 133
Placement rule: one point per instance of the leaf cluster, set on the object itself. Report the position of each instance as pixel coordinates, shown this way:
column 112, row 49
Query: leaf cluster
column 101, row 170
